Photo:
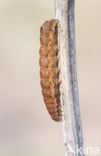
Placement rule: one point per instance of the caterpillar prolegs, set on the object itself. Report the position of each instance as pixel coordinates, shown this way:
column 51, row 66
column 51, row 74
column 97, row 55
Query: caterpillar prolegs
column 49, row 70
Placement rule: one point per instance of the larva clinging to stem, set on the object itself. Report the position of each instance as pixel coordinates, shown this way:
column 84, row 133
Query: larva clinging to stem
column 49, row 70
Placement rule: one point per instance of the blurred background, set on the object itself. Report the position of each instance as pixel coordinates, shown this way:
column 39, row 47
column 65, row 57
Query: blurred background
column 26, row 129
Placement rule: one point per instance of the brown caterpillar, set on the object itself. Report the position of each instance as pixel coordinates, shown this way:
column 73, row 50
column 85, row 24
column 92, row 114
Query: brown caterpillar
column 49, row 71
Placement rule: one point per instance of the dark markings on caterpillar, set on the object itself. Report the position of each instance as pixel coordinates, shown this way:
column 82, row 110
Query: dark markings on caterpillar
column 49, row 70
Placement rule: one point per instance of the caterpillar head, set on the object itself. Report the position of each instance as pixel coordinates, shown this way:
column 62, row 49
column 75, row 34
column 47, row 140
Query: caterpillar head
column 48, row 32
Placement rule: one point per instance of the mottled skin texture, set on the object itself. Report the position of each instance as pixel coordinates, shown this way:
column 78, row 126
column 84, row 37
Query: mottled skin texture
column 49, row 71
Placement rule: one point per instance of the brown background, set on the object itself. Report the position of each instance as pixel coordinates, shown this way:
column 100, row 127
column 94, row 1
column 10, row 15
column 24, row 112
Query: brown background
column 26, row 129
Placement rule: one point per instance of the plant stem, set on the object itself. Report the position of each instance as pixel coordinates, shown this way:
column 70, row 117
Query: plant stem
column 72, row 126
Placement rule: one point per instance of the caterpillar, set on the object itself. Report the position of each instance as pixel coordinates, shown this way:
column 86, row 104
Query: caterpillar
column 49, row 71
